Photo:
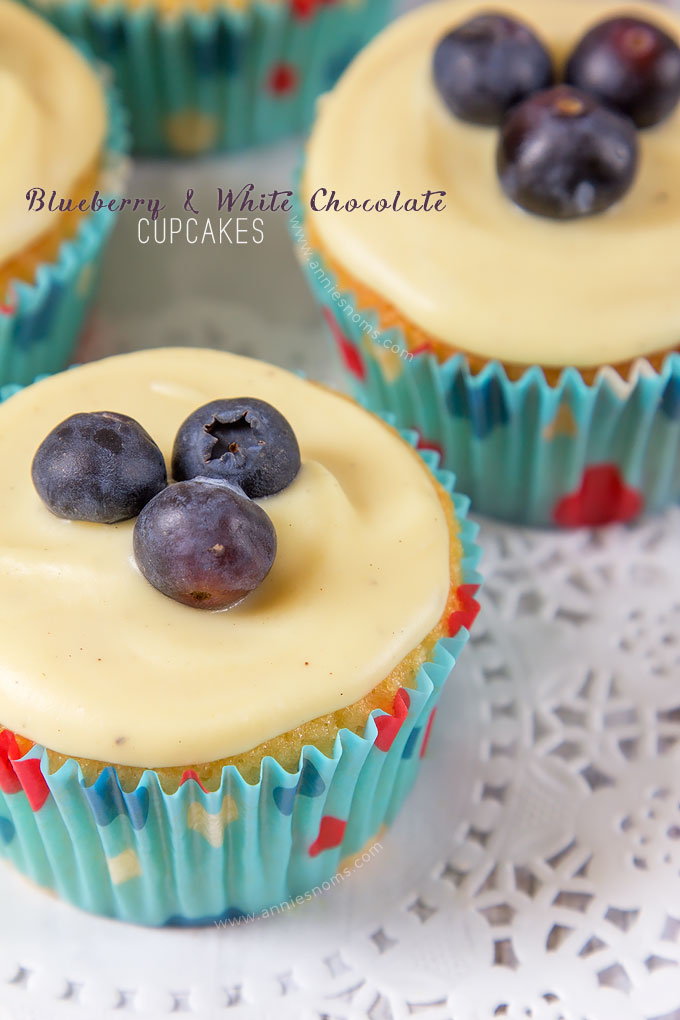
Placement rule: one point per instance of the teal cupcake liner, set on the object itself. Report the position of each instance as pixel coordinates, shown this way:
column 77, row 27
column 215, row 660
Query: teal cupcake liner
column 196, row 83
column 525, row 451
column 194, row 857
column 40, row 322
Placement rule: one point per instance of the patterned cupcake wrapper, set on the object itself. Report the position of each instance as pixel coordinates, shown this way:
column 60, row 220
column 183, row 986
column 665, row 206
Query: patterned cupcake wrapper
column 40, row 321
column 221, row 81
column 567, row 455
column 195, row 857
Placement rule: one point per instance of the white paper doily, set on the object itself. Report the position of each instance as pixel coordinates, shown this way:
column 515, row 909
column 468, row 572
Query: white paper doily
column 535, row 871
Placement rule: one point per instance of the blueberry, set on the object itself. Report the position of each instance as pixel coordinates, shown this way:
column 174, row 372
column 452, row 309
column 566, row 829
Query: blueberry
column 204, row 544
column 562, row 154
column 631, row 65
column 98, row 466
column 244, row 441
column 487, row 65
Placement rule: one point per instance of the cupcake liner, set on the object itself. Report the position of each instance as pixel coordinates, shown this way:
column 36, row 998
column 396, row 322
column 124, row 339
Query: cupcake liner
column 568, row 455
column 199, row 82
column 40, row 321
column 195, row 857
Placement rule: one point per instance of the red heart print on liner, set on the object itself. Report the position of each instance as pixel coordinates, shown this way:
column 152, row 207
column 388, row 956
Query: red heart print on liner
column 602, row 498
column 428, row 730
column 466, row 615
column 330, row 835
column 190, row 774
column 9, row 750
column 283, row 79
column 389, row 725
column 348, row 352
column 428, row 444
column 33, row 782
column 16, row 775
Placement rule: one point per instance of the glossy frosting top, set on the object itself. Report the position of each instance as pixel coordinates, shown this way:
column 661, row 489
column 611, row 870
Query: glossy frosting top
column 52, row 122
column 483, row 275
column 96, row 663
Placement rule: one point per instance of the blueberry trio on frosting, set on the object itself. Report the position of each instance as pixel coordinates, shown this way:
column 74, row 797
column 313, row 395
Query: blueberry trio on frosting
column 202, row 540
column 566, row 150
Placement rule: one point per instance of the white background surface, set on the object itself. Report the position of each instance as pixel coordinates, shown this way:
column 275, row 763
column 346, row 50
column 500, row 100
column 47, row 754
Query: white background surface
column 535, row 872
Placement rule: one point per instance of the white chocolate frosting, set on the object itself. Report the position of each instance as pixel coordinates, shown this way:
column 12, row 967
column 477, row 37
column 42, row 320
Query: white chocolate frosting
column 52, row 122
column 95, row 663
column 483, row 275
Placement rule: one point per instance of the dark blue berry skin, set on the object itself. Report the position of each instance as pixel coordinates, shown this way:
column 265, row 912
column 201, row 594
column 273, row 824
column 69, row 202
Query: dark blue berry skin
column 563, row 155
column 632, row 66
column 98, row 466
column 204, row 544
column 244, row 441
column 487, row 65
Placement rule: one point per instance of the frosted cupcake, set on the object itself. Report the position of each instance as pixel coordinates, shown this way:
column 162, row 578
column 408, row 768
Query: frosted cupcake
column 60, row 132
column 219, row 75
column 222, row 697
column 528, row 329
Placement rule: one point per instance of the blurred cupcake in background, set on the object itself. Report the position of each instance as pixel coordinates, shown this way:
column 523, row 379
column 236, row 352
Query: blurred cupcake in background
column 529, row 329
column 202, row 76
column 61, row 132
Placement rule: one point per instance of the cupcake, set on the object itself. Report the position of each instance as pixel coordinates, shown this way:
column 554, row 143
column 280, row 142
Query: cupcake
column 206, row 707
column 219, row 75
column 490, row 218
column 62, row 137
